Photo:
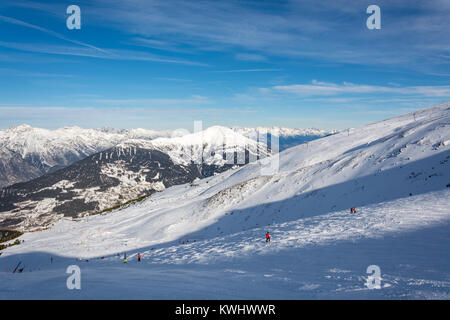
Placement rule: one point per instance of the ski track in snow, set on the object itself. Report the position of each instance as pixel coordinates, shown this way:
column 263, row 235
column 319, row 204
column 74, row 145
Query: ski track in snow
column 370, row 222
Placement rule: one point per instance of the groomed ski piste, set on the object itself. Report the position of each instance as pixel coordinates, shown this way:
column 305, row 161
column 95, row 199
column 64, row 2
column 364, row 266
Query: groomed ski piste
column 206, row 240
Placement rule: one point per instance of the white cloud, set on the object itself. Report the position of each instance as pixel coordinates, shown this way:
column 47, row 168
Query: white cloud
column 47, row 31
column 27, row 74
column 328, row 30
column 113, row 54
column 250, row 57
column 332, row 31
column 317, row 88
column 193, row 100
column 248, row 70
column 151, row 117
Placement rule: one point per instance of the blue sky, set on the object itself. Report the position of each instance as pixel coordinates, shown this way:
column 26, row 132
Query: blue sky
column 164, row 64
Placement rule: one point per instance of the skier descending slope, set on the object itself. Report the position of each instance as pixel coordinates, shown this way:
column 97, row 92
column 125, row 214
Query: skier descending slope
column 267, row 237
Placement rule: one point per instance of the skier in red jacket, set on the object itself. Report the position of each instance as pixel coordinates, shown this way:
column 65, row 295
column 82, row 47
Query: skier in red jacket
column 267, row 237
column 139, row 257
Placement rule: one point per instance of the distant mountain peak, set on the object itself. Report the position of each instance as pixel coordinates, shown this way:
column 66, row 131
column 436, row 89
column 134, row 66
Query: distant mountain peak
column 21, row 127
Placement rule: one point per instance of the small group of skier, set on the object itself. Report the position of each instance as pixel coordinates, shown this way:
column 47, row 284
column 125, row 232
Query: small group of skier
column 352, row 210
column 125, row 260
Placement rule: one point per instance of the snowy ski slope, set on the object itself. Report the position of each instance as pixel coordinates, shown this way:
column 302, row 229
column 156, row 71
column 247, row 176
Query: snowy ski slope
column 210, row 235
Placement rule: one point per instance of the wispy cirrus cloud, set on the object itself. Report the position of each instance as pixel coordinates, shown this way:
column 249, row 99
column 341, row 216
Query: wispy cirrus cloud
column 50, row 32
column 259, row 54
column 172, row 79
column 250, row 57
column 169, row 117
column 85, row 49
column 160, row 45
column 249, row 70
column 29, row 74
column 317, row 88
column 112, row 54
column 331, row 31
column 193, row 100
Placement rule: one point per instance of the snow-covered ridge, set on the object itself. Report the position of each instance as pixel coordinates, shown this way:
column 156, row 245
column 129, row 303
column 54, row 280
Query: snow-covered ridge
column 284, row 132
column 205, row 147
column 28, row 152
column 26, row 140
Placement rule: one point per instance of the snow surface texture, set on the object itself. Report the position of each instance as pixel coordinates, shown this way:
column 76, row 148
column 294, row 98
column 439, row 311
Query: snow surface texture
column 209, row 236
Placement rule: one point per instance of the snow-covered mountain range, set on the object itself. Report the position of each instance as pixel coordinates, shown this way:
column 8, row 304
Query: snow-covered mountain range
column 132, row 169
column 287, row 137
column 395, row 172
column 285, row 132
column 27, row 152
